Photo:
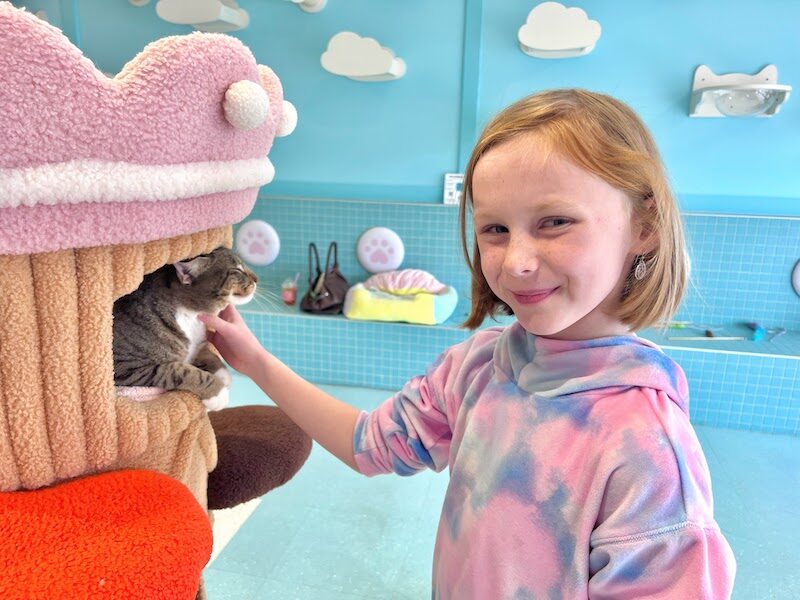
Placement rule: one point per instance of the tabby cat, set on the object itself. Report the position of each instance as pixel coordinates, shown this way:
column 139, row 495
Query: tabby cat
column 158, row 340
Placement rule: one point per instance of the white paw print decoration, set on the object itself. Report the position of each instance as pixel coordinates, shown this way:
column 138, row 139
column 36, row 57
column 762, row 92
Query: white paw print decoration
column 380, row 249
column 258, row 243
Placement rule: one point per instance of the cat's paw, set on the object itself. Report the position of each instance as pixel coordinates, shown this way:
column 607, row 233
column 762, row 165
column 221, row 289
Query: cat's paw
column 224, row 376
column 219, row 401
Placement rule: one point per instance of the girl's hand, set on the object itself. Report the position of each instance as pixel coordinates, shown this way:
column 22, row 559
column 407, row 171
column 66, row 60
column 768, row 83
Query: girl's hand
column 321, row 416
column 233, row 339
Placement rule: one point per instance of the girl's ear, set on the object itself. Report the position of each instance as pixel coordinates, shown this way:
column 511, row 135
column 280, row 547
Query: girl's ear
column 189, row 270
column 645, row 235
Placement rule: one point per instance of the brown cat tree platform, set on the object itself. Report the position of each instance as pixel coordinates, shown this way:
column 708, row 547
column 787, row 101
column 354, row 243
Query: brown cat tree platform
column 258, row 449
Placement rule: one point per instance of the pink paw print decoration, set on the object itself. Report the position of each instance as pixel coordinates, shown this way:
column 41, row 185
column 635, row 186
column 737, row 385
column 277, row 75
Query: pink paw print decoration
column 258, row 243
column 380, row 249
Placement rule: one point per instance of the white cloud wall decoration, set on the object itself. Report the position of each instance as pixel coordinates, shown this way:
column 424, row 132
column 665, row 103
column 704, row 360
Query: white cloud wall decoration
column 204, row 15
column 554, row 31
column 310, row 6
column 361, row 58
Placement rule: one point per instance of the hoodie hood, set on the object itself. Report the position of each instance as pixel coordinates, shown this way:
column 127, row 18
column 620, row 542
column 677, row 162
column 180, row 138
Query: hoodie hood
column 550, row 368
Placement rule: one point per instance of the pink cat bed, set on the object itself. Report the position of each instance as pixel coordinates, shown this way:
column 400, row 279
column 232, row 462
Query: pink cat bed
column 407, row 295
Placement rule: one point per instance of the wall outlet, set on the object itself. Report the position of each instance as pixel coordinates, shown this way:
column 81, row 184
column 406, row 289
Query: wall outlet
column 453, row 188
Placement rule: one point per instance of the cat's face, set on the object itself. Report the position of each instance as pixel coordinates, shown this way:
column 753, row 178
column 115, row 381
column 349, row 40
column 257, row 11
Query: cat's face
column 212, row 281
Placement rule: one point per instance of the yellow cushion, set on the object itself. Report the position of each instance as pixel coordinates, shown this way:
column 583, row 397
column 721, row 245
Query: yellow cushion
column 423, row 307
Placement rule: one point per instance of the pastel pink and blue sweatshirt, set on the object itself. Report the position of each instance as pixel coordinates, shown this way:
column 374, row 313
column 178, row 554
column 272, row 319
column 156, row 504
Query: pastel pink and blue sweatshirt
column 574, row 470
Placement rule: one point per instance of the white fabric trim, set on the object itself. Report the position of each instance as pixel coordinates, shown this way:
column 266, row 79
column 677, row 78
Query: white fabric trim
column 103, row 181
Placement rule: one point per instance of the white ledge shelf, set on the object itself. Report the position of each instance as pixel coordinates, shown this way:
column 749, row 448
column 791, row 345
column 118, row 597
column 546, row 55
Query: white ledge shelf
column 785, row 346
column 277, row 308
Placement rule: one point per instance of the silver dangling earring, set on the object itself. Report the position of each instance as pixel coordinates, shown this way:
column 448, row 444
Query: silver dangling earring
column 640, row 270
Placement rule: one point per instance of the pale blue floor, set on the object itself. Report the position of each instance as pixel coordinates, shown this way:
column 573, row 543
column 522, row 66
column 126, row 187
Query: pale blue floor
column 331, row 534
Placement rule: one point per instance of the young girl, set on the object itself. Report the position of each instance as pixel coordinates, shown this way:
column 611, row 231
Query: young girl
column 574, row 470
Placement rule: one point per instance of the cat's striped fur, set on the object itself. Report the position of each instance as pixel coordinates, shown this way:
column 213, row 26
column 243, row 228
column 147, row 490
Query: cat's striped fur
column 158, row 340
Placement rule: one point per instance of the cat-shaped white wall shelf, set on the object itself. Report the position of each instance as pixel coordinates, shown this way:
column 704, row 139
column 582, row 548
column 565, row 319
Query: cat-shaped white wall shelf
column 737, row 94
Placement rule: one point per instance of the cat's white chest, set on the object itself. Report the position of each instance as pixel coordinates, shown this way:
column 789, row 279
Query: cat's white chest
column 193, row 329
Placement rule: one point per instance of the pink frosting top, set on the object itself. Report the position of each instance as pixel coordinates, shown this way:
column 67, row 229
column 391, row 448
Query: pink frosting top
column 155, row 133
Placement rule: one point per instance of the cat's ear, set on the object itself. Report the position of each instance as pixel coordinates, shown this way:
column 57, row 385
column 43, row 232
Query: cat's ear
column 189, row 270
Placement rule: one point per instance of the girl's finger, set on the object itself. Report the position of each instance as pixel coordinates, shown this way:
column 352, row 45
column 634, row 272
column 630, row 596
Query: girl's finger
column 212, row 322
column 230, row 314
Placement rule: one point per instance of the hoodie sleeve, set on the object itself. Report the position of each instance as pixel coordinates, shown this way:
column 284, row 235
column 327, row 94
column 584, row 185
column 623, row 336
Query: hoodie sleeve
column 655, row 534
column 684, row 561
column 413, row 429
column 406, row 434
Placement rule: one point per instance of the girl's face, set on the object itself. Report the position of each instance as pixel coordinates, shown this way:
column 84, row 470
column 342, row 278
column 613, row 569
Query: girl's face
column 556, row 242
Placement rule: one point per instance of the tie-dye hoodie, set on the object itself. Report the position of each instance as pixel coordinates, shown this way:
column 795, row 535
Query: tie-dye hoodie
column 574, row 471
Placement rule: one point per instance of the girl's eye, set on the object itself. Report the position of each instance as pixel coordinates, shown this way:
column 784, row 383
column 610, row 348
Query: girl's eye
column 495, row 229
column 556, row 222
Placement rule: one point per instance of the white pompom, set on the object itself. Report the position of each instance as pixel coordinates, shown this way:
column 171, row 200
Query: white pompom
column 288, row 120
column 246, row 105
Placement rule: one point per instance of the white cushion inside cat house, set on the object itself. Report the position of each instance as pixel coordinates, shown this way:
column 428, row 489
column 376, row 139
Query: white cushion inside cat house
column 139, row 393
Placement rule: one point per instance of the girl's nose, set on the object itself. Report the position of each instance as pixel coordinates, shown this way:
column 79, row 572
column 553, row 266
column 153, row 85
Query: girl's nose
column 520, row 258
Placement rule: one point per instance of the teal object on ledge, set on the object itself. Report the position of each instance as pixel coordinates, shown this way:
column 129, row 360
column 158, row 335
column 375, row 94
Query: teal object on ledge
column 759, row 333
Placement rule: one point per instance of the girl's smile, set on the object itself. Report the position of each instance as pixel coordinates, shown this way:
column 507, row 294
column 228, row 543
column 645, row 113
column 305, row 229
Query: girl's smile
column 534, row 296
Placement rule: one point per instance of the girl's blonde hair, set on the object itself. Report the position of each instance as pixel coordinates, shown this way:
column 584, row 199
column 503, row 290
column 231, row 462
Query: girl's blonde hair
column 605, row 137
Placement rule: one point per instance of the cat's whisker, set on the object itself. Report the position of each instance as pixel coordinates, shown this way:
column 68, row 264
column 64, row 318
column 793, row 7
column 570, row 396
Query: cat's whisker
column 265, row 298
column 260, row 298
column 268, row 299
column 268, row 295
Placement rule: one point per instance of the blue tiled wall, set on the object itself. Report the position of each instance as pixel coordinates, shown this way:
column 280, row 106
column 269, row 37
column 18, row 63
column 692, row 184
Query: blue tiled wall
column 360, row 353
column 741, row 271
column 429, row 233
column 743, row 391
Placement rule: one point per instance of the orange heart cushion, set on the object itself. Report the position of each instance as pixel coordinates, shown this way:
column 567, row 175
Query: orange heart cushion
column 124, row 534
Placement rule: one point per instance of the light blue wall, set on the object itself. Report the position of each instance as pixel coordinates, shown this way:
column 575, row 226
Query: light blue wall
column 646, row 56
column 392, row 140
column 61, row 13
column 395, row 140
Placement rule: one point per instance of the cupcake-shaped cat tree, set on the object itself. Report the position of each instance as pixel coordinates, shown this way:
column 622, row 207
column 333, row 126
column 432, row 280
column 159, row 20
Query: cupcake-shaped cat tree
column 104, row 180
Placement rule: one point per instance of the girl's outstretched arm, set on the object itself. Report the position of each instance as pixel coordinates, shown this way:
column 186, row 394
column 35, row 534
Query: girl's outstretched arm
column 327, row 420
